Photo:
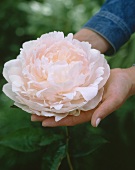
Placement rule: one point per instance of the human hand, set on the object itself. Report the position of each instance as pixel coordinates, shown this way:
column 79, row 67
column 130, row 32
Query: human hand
column 120, row 85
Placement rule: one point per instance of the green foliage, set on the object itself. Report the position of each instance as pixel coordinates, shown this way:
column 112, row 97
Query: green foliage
column 91, row 138
column 52, row 158
column 30, row 141
column 27, row 145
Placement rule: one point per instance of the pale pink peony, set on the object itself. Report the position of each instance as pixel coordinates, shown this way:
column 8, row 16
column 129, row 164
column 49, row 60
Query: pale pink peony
column 56, row 76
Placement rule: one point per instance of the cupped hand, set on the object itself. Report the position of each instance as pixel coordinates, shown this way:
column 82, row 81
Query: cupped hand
column 117, row 89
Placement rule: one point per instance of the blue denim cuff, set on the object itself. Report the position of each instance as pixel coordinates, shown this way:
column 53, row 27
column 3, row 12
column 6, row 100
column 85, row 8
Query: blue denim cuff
column 111, row 27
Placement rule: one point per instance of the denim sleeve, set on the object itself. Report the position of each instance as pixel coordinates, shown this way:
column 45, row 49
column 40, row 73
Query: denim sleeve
column 115, row 22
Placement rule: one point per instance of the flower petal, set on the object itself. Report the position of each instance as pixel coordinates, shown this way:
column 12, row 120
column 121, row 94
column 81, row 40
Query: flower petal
column 70, row 95
column 23, row 107
column 94, row 102
column 88, row 93
column 58, row 107
column 8, row 66
column 7, row 89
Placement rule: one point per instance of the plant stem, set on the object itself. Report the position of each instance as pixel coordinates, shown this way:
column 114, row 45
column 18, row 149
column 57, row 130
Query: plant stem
column 68, row 156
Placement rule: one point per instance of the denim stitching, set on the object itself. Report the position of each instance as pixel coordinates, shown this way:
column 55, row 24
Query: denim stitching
column 116, row 20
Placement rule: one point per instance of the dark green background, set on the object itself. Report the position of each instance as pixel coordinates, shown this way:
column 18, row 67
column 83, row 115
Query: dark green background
column 27, row 145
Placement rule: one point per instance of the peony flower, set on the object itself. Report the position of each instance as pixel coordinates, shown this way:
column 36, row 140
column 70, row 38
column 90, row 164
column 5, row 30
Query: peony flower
column 56, row 76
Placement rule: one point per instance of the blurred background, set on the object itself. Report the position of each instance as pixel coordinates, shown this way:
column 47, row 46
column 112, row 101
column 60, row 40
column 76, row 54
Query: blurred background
column 24, row 144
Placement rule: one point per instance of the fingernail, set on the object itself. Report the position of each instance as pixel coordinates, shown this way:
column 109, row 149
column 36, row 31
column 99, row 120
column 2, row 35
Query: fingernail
column 98, row 121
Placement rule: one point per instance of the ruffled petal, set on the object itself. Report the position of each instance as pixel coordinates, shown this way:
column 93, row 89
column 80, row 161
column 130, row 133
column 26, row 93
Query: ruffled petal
column 88, row 93
column 23, row 107
column 57, row 116
column 8, row 67
column 94, row 102
column 7, row 89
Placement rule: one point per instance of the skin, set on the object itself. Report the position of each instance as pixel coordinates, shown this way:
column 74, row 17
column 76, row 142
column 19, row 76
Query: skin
column 120, row 86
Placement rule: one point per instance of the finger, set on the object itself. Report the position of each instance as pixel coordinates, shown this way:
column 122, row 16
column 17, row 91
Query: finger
column 108, row 106
column 69, row 120
column 35, row 118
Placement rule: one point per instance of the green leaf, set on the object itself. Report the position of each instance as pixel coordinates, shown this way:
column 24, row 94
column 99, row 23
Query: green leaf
column 85, row 144
column 84, row 140
column 60, row 154
column 30, row 139
column 53, row 157
column 25, row 140
column 12, row 119
column 50, row 138
column 9, row 155
column 127, row 123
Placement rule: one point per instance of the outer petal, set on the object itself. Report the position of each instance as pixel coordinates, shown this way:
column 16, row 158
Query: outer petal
column 7, row 89
column 51, row 38
column 106, row 74
column 8, row 67
column 57, row 116
column 88, row 93
column 94, row 102
column 60, row 116
column 29, row 44
column 23, row 107
column 16, row 80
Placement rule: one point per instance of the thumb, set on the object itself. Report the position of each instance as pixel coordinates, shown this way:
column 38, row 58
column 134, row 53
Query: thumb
column 108, row 106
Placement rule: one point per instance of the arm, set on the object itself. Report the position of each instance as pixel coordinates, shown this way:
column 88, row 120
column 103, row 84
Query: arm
column 96, row 40
column 115, row 22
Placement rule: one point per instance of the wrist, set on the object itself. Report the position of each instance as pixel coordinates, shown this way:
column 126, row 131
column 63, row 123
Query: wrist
column 96, row 40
